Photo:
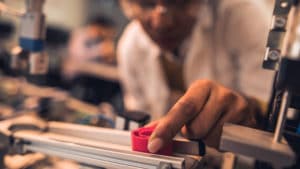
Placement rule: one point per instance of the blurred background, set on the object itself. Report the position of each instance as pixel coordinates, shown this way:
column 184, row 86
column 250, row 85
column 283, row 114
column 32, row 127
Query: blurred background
column 80, row 34
column 74, row 12
column 77, row 30
column 82, row 83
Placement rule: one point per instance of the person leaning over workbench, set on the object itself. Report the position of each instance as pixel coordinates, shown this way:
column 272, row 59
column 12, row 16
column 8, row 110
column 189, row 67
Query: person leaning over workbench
column 215, row 47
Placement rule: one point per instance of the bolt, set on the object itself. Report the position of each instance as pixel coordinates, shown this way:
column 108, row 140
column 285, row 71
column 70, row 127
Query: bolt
column 274, row 55
column 280, row 22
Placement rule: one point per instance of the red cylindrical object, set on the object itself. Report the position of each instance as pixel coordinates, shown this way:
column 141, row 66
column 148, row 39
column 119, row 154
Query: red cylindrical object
column 139, row 141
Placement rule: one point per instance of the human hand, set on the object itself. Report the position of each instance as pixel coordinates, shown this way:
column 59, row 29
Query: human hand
column 201, row 114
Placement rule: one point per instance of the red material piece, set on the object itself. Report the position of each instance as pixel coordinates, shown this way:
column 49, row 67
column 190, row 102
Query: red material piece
column 139, row 141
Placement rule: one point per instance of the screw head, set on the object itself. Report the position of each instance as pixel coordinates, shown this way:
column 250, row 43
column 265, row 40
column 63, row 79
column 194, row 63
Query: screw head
column 280, row 22
column 274, row 55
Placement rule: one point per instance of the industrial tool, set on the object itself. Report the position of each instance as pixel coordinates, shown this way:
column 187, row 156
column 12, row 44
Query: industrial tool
column 32, row 34
column 278, row 146
column 94, row 146
column 32, row 37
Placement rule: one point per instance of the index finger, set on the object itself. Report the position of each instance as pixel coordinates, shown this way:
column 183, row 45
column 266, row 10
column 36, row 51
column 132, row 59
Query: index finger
column 186, row 109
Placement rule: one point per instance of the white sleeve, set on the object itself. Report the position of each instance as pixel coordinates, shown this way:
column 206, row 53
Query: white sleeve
column 245, row 36
column 128, row 54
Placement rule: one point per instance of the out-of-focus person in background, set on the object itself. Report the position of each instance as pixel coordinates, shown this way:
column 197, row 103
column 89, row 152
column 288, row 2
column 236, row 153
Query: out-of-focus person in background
column 92, row 43
column 6, row 31
column 220, row 44
column 95, row 41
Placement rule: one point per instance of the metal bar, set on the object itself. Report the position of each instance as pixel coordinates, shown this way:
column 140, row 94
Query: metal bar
column 81, row 159
column 277, row 34
column 85, row 143
column 257, row 144
column 182, row 145
column 91, row 133
column 286, row 99
column 112, row 154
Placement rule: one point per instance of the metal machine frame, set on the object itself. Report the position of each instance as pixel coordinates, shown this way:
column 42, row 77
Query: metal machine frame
column 282, row 56
column 93, row 146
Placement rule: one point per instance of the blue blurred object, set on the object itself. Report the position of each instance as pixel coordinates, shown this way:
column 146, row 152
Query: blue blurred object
column 34, row 45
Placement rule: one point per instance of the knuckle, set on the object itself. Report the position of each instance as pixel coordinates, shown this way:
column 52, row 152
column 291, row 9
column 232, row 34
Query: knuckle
column 203, row 82
column 207, row 82
column 226, row 95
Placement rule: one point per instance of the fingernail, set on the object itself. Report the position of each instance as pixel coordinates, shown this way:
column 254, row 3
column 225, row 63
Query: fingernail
column 155, row 145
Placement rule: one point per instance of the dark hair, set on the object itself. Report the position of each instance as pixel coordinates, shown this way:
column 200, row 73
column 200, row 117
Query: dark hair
column 101, row 21
column 6, row 29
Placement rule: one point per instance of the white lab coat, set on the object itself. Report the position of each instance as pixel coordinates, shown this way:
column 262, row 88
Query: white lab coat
column 227, row 45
